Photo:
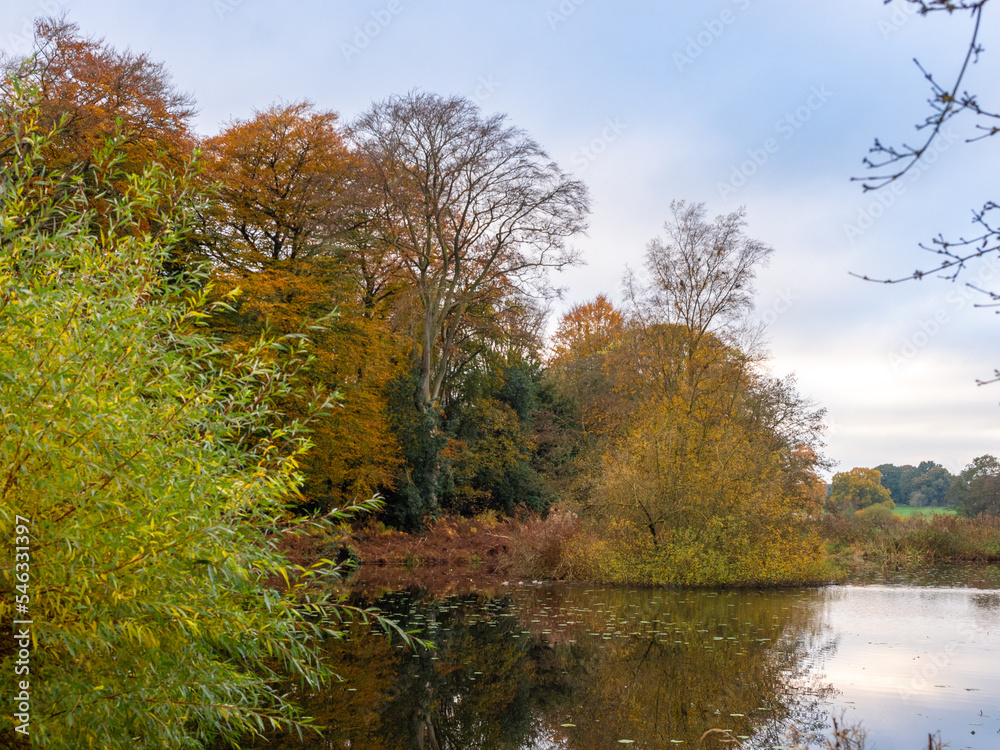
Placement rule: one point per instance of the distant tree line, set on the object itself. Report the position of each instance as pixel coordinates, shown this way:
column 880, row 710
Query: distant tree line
column 973, row 491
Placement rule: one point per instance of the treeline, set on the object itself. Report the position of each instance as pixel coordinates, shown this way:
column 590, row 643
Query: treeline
column 421, row 236
column 973, row 491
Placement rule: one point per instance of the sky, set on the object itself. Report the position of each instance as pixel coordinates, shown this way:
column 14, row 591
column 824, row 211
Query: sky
column 769, row 106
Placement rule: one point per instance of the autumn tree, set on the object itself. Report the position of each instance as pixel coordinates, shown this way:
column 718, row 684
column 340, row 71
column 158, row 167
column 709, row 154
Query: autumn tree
column 355, row 452
column 281, row 228
column 587, row 329
column 474, row 212
column 857, row 489
column 96, row 93
column 726, row 485
column 585, row 338
column 98, row 102
column 712, row 460
column 580, row 407
column 281, row 178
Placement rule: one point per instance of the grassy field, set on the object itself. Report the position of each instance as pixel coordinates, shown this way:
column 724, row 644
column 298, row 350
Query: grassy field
column 905, row 511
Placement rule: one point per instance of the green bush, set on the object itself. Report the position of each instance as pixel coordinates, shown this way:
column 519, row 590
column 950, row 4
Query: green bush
column 149, row 468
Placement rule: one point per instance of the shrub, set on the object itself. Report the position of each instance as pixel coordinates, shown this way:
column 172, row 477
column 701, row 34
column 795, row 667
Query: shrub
column 149, row 467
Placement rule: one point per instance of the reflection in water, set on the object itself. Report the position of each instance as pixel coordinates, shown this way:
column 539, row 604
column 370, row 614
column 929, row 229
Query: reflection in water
column 573, row 667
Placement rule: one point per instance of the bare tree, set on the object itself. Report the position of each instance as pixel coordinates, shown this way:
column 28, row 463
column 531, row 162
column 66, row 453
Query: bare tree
column 474, row 213
column 474, row 210
column 698, row 292
column 702, row 273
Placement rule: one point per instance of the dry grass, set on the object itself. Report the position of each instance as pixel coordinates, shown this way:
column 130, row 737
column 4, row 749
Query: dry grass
column 540, row 548
column 885, row 536
column 527, row 547
column 451, row 542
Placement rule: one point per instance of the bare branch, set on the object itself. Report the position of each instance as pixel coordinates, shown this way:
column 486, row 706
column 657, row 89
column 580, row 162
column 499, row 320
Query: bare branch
column 945, row 104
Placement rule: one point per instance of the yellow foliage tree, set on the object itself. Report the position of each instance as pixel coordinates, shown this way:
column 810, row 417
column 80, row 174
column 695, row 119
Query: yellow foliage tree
column 711, row 476
column 858, row 488
column 710, row 490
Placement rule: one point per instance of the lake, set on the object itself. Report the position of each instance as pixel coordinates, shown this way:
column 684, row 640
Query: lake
column 571, row 666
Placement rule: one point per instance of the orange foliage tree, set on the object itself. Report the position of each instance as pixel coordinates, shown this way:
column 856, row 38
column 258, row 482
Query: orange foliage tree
column 580, row 407
column 99, row 93
column 110, row 116
column 282, row 177
column 279, row 228
column 587, row 329
column 354, row 452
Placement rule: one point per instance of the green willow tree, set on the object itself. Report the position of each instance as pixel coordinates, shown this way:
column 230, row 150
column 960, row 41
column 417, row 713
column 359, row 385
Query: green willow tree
column 145, row 458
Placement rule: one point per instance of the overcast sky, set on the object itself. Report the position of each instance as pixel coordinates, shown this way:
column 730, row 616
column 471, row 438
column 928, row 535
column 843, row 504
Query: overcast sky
column 767, row 105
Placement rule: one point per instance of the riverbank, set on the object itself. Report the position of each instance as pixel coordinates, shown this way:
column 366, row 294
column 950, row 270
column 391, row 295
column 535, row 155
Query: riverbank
column 489, row 551
column 887, row 537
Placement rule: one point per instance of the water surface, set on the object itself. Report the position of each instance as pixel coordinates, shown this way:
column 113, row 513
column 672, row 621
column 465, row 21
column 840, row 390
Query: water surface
column 567, row 666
